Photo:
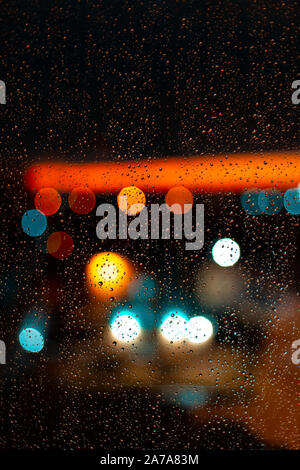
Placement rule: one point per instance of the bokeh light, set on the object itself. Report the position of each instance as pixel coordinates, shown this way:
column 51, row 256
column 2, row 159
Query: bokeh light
column 82, row 200
column 142, row 312
column 199, row 329
column 215, row 290
column 191, row 397
column 291, row 201
column 108, row 274
column 148, row 318
column 34, row 223
column 226, row 252
column 173, row 328
column 250, row 204
column 204, row 173
column 179, row 196
column 135, row 200
column 125, row 327
column 143, row 288
column 47, row 200
column 60, row 245
column 31, row 340
column 270, row 202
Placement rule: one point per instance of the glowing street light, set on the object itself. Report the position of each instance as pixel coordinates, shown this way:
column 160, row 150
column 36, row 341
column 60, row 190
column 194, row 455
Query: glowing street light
column 173, row 327
column 226, row 252
column 125, row 328
column 31, row 340
column 199, row 329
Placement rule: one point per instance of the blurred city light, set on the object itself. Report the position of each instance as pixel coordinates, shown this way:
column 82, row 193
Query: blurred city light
column 185, row 396
column 143, row 288
column 108, row 274
column 60, row 245
column 250, row 202
column 173, row 328
column 270, row 202
column 142, row 312
column 215, row 290
column 82, row 200
column 226, row 252
column 131, row 200
column 34, row 223
column 291, row 201
column 125, row 327
column 179, row 197
column 206, row 173
column 47, row 200
column 31, row 340
column 146, row 316
column 191, row 397
column 199, row 329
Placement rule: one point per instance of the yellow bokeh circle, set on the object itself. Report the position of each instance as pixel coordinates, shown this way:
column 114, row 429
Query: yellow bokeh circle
column 108, row 274
column 131, row 200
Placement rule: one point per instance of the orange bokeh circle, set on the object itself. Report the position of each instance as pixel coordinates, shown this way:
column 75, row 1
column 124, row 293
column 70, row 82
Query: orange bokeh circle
column 108, row 274
column 60, row 245
column 179, row 195
column 82, row 200
column 135, row 200
column 47, row 200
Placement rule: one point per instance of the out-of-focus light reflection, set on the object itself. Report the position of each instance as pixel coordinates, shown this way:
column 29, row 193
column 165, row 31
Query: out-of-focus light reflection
column 143, row 288
column 82, row 200
column 180, row 198
column 215, row 290
column 108, row 274
column 205, row 173
column 270, row 202
column 146, row 317
column 192, row 397
column 250, row 202
column 143, row 313
column 31, row 340
column 226, row 252
column 47, row 200
column 199, row 330
column 60, row 245
column 291, row 201
column 186, row 396
column 131, row 200
column 173, row 328
column 34, row 223
column 125, row 327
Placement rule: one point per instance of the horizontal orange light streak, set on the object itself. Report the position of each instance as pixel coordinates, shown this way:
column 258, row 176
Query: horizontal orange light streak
column 235, row 172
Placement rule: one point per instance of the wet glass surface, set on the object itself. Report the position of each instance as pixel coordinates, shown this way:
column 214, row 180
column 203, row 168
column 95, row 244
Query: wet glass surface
column 116, row 332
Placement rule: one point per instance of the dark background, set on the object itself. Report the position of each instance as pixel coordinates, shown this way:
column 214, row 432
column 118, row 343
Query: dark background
column 139, row 79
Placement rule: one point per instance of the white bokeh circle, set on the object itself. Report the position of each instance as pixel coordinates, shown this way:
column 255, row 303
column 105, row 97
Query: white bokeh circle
column 199, row 329
column 173, row 328
column 226, row 252
column 125, row 328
